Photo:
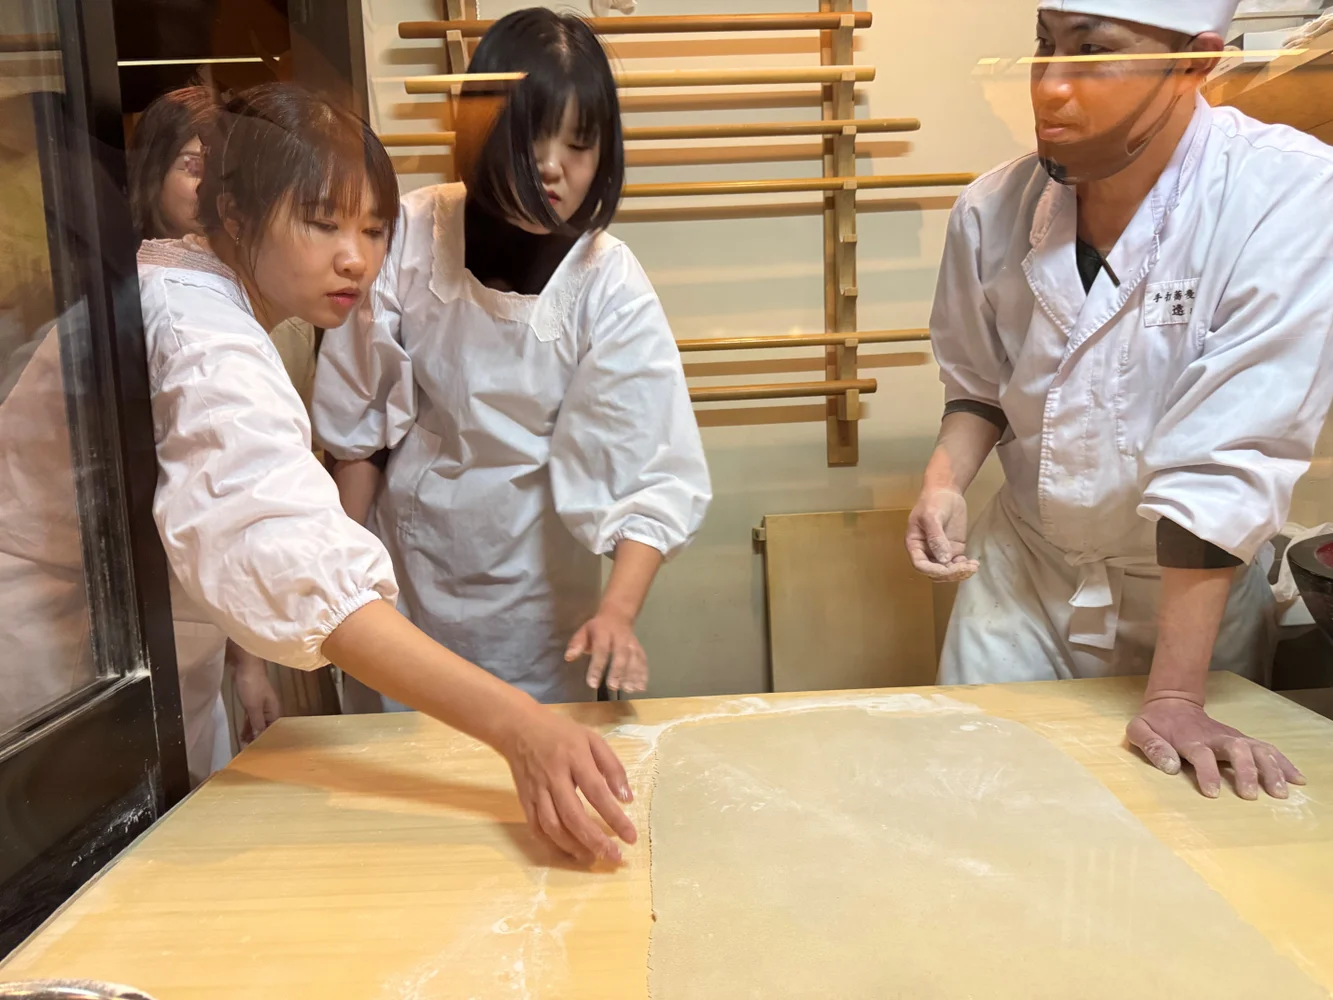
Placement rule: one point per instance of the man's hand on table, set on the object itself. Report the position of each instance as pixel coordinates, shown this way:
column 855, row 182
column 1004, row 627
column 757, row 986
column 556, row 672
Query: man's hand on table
column 1172, row 727
column 553, row 759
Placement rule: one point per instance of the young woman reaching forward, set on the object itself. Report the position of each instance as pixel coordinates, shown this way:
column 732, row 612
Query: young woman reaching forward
column 298, row 204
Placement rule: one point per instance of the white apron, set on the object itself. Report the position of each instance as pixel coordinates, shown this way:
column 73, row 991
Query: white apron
column 530, row 435
column 1017, row 620
column 1194, row 390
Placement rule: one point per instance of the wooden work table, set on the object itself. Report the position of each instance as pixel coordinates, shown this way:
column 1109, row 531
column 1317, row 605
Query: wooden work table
column 386, row 857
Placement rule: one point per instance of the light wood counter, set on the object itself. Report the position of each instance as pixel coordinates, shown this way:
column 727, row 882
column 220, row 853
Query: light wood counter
column 386, row 857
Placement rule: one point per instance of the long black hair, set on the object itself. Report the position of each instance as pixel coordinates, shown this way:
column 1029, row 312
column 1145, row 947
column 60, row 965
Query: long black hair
column 159, row 135
column 278, row 144
column 562, row 61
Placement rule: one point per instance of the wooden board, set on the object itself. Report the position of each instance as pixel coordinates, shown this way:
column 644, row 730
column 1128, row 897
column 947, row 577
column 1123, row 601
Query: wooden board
column 384, row 858
column 845, row 607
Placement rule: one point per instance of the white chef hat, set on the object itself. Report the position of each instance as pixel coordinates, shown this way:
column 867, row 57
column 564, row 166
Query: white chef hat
column 1191, row 17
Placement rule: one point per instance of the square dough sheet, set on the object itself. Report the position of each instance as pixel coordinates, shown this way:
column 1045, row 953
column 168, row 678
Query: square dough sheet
column 959, row 857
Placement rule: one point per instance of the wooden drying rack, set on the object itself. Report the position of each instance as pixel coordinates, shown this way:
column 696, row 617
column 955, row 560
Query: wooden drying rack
column 837, row 75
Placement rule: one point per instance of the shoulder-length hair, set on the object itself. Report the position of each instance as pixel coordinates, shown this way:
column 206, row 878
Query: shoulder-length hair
column 278, row 145
column 562, row 60
column 161, row 132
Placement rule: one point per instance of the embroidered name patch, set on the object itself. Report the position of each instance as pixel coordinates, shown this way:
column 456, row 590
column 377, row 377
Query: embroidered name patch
column 1168, row 302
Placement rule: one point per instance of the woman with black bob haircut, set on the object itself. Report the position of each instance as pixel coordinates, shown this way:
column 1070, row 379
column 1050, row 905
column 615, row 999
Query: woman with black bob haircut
column 298, row 206
column 518, row 371
column 564, row 67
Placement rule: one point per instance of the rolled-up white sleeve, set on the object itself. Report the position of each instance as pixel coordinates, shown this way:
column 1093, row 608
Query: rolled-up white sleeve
column 962, row 322
column 627, row 461
column 1242, row 421
column 365, row 396
column 251, row 522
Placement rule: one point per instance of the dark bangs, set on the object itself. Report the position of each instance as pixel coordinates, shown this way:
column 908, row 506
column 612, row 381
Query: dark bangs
column 280, row 144
column 563, row 61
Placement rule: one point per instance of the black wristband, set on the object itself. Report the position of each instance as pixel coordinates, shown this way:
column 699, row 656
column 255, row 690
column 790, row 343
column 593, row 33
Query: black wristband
column 1180, row 548
column 985, row 411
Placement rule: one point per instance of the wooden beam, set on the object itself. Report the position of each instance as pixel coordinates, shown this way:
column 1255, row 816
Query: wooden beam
column 399, row 139
column 445, row 83
column 782, row 390
column 738, row 130
column 749, row 130
column 875, row 182
column 802, row 340
column 658, row 25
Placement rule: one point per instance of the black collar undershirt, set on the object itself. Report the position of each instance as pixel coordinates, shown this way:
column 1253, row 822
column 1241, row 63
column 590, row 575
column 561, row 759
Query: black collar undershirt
column 504, row 257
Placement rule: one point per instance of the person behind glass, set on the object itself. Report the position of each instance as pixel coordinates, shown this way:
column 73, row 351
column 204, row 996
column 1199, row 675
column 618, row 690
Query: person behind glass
column 167, row 161
column 1138, row 315
column 298, row 205
column 166, row 165
column 519, row 366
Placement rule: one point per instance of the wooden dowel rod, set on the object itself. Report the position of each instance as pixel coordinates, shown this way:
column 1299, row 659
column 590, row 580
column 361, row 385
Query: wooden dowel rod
column 659, row 25
column 803, row 340
column 675, row 77
column 782, row 390
column 739, row 130
column 745, row 130
column 393, row 139
column 797, row 184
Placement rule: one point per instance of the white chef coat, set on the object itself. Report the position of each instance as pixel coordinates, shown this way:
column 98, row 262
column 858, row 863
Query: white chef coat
column 1194, row 391
column 530, row 435
column 253, row 529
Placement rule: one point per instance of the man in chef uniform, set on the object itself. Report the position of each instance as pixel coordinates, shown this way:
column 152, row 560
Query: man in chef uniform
column 1140, row 316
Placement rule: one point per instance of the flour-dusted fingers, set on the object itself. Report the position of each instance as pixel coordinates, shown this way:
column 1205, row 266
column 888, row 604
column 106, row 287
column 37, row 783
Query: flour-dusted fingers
column 924, row 564
column 615, row 668
column 1271, row 778
column 636, row 674
column 557, row 830
column 1204, row 762
column 577, row 645
column 1236, row 751
column 614, row 774
column 593, row 785
column 599, row 655
column 579, row 825
column 623, row 654
column 1289, row 770
column 1160, row 753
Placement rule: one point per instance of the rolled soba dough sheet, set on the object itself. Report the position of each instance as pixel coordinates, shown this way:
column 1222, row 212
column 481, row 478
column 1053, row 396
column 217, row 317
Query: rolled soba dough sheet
column 849, row 855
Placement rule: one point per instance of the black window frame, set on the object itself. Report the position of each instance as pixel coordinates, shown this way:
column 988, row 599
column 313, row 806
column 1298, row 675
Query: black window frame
column 82, row 779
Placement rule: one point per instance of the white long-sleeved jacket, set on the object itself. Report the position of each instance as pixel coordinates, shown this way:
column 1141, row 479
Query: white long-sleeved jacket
column 252, row 524
column 531, row 433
